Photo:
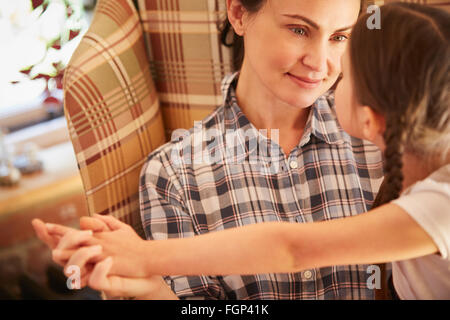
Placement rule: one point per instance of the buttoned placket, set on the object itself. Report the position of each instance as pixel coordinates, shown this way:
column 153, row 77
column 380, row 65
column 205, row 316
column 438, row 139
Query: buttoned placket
column 293, row 166
column 308, row 277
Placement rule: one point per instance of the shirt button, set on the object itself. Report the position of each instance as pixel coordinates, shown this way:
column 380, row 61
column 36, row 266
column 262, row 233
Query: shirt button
column 307, row 274
column 293, row 164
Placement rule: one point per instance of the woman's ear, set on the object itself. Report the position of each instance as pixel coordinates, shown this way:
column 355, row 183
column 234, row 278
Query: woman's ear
column 373, row 125
column 236, row 15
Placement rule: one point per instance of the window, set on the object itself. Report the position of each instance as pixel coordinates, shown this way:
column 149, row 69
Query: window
column 37, row 38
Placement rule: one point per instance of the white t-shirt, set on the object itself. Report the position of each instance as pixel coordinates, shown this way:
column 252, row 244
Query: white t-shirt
column 428, row 203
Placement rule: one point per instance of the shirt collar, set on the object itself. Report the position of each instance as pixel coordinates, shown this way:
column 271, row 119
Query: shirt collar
column 322, row 121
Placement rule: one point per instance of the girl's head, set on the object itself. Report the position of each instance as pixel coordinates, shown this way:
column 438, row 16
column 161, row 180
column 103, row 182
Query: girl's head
column 292, row 47
column 395, row 89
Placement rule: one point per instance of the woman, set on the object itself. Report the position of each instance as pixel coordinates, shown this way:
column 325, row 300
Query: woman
column 290, row 62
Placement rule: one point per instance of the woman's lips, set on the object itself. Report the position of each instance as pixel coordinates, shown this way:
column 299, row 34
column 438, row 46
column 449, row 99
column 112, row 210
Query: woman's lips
column 305, row 82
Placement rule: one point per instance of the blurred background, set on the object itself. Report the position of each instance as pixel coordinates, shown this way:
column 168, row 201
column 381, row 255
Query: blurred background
column 38, row 170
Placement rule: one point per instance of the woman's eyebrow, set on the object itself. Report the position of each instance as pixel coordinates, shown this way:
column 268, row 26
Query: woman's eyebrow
column 312, row 23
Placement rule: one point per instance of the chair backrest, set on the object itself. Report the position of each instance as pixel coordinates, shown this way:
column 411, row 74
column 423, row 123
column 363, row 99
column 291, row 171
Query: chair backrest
column 187, row 60
column 112, row 110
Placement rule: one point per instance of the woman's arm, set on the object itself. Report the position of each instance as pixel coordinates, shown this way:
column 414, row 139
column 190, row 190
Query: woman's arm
column 384, row 234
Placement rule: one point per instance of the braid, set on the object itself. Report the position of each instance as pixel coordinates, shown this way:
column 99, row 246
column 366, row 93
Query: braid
column 393, row 176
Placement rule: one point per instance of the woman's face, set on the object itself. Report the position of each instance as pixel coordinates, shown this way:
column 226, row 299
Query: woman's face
column 294, row 47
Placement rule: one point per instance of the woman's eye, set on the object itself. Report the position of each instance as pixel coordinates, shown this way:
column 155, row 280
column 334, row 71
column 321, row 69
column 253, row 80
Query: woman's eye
column 340, row 38
column 299, row 31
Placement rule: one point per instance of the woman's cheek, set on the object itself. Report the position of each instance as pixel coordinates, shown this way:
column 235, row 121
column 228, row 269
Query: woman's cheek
column 274, row 59
column 285, row 54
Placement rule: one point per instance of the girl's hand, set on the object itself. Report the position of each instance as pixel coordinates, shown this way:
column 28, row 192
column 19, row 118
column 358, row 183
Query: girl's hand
column 63, row 241
column 127, row 249
column 51, row 240
column 51, row 234
column 120, row 237
column 153, row 287
column 116, row 239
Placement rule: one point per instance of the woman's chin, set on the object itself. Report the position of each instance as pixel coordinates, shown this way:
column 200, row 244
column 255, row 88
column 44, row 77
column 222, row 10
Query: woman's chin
column 304, row 98
column 303, row 101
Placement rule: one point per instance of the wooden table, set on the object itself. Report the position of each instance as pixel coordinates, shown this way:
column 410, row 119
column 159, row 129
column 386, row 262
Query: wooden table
column 60, row 178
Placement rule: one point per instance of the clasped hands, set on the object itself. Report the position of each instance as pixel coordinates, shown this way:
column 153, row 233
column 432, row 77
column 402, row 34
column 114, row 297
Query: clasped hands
column 109, row 254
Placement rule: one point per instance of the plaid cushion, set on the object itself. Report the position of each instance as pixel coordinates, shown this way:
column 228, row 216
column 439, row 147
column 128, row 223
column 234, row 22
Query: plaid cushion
column 112, row 110
column 187, row 60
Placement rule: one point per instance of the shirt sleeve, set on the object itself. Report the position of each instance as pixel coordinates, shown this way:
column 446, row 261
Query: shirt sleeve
column 428, row 203
column 164, row 216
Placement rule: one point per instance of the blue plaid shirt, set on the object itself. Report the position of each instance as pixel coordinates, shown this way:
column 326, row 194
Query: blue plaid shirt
column 191, row 186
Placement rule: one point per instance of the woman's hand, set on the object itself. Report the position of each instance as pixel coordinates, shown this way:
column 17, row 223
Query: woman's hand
column 154, row 287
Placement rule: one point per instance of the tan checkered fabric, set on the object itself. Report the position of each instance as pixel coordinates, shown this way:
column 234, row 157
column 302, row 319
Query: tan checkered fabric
column 186, row 58
column 112, row 110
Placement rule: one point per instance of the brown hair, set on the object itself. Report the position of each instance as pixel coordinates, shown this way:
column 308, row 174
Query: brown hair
column 237, row 42
column 402, row 71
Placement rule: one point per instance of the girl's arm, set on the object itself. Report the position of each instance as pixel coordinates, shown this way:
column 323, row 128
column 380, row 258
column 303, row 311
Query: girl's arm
column 384, row 234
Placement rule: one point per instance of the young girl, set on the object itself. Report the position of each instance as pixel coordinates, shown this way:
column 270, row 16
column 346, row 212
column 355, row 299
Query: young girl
column 395, row 93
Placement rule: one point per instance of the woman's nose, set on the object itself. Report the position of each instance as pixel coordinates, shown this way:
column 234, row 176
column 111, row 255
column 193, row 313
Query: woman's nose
column 316, row 57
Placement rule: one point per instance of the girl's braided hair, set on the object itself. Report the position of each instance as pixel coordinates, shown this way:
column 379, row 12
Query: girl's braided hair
column 402, row 71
